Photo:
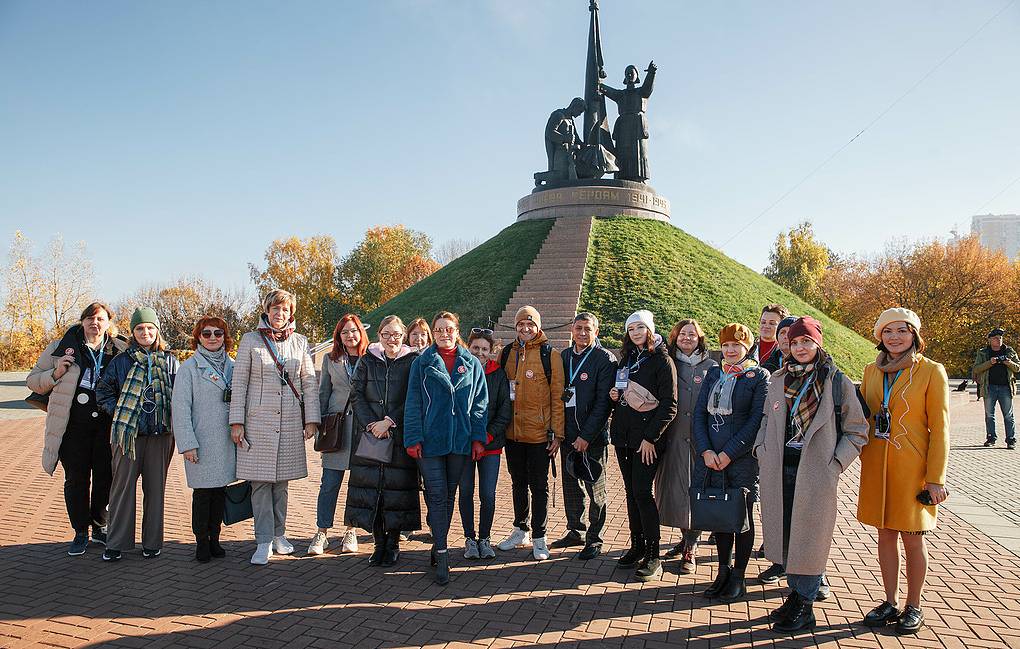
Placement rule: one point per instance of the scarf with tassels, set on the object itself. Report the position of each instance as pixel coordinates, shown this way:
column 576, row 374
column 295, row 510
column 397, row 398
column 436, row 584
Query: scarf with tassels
column 278, row 335
column 146, row 387
column 797, row 375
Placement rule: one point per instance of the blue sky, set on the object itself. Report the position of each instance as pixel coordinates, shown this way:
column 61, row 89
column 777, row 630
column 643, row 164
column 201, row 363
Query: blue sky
column 182, row 137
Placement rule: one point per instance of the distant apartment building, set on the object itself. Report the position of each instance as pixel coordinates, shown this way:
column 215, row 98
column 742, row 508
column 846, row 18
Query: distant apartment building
column 998, row 232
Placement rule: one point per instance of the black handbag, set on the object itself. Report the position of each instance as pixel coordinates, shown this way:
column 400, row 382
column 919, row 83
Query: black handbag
column 40, row 401
column 237, row 504
column 374, row 449
column 715, row 509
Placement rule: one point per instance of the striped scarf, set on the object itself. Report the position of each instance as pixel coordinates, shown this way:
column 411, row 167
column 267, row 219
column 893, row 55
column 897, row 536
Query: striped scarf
column 796, row 376
column 135, row 393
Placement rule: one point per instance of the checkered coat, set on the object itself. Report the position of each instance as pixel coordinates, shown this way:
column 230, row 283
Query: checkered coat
column 269, row 411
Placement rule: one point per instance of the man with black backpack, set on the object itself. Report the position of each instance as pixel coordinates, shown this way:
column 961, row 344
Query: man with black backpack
column 535, row 372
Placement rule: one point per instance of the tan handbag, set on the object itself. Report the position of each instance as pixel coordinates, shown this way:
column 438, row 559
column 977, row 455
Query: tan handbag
column 638, row 398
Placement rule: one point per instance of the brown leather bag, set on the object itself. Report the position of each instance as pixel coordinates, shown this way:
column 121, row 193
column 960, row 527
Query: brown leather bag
column 335, row 432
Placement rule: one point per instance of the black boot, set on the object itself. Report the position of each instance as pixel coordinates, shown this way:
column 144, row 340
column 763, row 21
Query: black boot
column 650, row 567
column 442, row 568
column 800, row 618
column 392, row 552
column 380, row 548
column 734, row 589
column 215, row 549
column 783, row 611
column 202, row 553
column 634, row 554
column 675, row 551
column 720, row 581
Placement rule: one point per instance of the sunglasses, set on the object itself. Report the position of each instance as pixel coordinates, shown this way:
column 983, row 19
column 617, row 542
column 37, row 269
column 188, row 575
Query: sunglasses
column 212, row 333
column 479, row 330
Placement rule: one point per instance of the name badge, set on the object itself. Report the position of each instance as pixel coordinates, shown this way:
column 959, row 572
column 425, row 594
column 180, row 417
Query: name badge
column 622, row 378
column 86, row 379
column 513, row 390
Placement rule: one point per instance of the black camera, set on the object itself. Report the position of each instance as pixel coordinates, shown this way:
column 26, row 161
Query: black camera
column 226, row 395
column 568, row 394
column 882, row 423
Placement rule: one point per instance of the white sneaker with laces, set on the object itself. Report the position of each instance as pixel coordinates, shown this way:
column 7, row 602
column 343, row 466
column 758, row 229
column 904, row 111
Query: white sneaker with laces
column 485, row 550
column 318, row 544
column 518, row 538
column 539, row 549
column 281, row 545
column 349, row 545
column 470, row 549
column 262, row 554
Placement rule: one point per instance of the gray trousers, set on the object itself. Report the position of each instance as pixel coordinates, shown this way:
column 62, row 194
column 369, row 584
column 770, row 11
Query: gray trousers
column 152, row 459
column 269, row 504
column 581, row 496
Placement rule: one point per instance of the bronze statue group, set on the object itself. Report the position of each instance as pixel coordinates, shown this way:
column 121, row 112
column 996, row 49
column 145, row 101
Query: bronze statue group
column 699, row 436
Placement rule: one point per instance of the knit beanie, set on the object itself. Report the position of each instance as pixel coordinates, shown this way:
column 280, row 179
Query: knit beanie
column 144, row 315
column 896, row 314
column 528, row 313
column 806, row 326
column 786, row 322
column 644, row 317
column 736, row 333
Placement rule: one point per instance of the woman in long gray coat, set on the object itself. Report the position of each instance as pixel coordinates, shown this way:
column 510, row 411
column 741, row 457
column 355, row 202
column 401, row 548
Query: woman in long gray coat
column 274, row 389
column 350, row 340
column 801, row 454
column 201, row 406
column 673, row 480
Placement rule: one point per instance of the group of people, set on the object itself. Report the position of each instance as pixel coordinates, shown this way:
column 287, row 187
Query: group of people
column 773, row 418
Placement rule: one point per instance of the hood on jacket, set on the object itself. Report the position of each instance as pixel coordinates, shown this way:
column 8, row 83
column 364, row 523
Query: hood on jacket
column 376, row 349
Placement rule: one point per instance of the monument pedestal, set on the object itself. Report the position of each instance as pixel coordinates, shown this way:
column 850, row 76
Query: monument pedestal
column 593, row 198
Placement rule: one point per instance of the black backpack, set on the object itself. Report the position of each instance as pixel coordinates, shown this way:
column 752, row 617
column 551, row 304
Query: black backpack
column 837, row 403
column 545, row 351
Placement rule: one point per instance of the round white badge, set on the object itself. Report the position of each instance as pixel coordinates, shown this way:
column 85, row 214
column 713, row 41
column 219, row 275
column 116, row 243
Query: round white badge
column 83, row 398
column 462, row 369
column 584, row 376
column 529, row 374
column 697, row 379
column 95, row 414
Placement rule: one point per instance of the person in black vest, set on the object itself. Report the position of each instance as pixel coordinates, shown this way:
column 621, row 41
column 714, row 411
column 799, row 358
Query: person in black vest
column 645, row 392
column 588, row 371
column 995, row 368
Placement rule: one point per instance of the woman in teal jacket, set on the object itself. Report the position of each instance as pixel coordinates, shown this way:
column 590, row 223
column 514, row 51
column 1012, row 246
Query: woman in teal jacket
column 445, row 417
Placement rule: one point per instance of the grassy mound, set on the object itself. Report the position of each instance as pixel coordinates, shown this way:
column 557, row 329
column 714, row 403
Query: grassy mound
column 477, row 285
column 642, row 264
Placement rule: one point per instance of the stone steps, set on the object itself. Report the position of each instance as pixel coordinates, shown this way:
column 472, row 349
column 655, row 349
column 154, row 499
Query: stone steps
column 552, row 283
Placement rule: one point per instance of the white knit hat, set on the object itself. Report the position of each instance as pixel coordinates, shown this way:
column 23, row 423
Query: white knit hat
column 644, row 317
column 896, row 314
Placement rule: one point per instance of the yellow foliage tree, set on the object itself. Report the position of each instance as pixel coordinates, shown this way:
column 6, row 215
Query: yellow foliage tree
column 385, row 263
column 798, row 261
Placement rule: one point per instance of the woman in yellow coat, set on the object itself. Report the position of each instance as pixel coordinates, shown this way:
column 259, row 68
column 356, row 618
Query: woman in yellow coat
column 905, row 460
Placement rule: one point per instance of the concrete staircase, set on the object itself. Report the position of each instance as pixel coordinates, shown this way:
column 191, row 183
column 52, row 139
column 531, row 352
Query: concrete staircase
column 552, row 284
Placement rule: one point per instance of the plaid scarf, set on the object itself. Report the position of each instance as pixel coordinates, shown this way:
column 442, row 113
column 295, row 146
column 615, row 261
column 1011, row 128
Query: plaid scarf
column 135, row 393
column 796, row 376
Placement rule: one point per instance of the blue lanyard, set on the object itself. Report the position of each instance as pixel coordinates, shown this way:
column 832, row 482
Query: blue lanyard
column 887, row 387
column 573, row 373
column 803, row 391
column 97, row 362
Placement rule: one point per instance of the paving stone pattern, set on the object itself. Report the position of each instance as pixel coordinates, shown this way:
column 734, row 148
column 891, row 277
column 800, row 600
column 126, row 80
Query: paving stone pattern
column 50, row 599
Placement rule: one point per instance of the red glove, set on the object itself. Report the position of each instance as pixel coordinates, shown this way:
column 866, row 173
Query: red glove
column 414, row 451
column 477, row 450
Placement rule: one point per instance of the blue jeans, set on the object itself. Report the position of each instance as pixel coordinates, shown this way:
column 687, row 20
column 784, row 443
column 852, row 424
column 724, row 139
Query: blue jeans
column 329, row 490
column 441, row 475
column 488, row 474
column 999, row 394
column 806, row 585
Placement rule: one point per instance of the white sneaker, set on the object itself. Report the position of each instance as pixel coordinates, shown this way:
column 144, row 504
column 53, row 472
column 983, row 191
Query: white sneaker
column 282, row 546
column 518, row 538
column 470, row 549
column 485, row 550
column 262, row 554
column 318, row 544
column 539, row 549
column 349, row 545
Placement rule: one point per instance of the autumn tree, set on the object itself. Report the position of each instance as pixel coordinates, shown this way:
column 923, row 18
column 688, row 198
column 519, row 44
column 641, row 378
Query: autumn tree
column 308, row 269
column 798, row 261
column 386, row 262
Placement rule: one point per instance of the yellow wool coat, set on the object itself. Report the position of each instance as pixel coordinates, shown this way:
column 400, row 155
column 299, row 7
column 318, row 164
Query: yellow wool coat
column 894, row 471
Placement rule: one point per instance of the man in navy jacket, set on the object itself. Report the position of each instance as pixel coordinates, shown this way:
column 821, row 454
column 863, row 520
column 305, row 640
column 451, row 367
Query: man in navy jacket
column 589, row 371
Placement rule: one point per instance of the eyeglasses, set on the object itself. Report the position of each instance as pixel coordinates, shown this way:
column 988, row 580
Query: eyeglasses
column 212, row 333
column 479, row 330
column 395, row 335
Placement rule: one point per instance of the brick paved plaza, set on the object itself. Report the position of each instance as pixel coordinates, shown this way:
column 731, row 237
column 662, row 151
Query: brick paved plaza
column 50, row 599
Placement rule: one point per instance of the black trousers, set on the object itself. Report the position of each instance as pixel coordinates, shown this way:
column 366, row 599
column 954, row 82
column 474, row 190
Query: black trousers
column 744, row 542
column 642, row 514
column 207, row 512
column 528, row 465
column 87, row 460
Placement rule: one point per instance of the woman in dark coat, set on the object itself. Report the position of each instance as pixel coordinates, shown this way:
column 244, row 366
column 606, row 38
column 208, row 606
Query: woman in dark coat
column 726, row 422
column 383, row 497
column 646, row 375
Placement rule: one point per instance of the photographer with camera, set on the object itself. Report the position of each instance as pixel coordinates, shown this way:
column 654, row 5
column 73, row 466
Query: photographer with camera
column 903, row 466
column 995, row 369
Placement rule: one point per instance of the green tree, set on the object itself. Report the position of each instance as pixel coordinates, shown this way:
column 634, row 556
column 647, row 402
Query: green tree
column 798, row 261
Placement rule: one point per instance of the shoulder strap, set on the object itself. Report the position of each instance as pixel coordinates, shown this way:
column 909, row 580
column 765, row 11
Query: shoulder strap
column 545, row 351
column 504, row 355
column 282, row 370
column 837, row 403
